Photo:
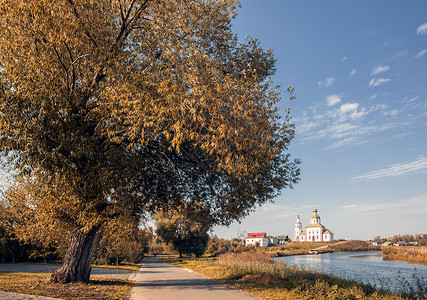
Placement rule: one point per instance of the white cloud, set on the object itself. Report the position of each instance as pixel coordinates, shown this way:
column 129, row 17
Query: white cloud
column 344, row 58
column 421, row 53
column 415, row 205
column 422, row 29
column 385, row 44
column 352, row 73
column 380, row 69
column 395, row 170
column 349, row 107
column 327, row 82
column 378, row 81
column 333, row 99
column 413, row 99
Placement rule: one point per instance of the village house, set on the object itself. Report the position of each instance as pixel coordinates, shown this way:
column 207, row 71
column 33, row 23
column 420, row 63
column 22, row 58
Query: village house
column 314, row 232
column 259, row 238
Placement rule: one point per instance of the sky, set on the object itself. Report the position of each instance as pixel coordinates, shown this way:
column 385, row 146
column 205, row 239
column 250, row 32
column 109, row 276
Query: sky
column 359, row 69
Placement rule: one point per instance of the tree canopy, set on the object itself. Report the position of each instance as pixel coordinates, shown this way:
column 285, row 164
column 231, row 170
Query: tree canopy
column 126, row 106
column 185, row 228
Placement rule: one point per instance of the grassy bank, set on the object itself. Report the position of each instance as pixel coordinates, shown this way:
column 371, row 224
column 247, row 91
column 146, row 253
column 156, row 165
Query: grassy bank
column 298, row 248
column 256, row 274
column 39, row 284
column 407, row 253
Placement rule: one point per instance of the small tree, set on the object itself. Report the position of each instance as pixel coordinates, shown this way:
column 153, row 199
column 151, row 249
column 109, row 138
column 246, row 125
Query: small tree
column 185, row 228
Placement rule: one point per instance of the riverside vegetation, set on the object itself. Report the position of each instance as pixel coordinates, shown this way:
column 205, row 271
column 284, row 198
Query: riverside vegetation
column 408, row 253
column 256, row 274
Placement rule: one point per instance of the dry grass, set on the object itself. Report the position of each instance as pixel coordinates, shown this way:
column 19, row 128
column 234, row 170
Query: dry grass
column 264, row 279
column 39, row 284
column 407, row 253
column 123, row 266
column 351, row 246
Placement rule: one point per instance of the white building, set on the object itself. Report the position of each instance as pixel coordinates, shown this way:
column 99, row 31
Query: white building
column 314, row 232
column 259, row 238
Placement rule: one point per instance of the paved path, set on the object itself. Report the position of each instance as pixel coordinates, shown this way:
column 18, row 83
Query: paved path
column 39, row 268
column 157, row 280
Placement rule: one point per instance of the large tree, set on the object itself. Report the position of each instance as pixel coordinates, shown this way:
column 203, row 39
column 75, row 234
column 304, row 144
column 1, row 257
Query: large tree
column 119, row 107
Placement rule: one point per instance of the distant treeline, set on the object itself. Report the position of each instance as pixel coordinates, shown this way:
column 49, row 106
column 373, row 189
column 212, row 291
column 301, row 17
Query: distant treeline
column 421, row 238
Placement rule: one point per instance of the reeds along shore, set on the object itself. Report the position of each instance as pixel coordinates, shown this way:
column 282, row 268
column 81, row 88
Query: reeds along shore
column 256, row 274
column 407, row 253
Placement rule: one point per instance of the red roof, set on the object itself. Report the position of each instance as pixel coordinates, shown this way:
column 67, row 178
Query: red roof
column 256, row 235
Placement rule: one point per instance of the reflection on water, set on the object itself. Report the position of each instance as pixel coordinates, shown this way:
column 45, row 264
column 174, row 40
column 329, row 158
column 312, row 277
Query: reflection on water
column 366, row 267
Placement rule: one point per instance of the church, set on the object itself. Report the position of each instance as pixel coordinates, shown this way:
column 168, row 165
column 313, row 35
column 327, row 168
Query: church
column 314, row 232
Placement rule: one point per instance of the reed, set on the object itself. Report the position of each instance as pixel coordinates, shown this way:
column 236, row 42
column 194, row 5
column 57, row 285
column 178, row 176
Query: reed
column 257, row 274
column 407, row 253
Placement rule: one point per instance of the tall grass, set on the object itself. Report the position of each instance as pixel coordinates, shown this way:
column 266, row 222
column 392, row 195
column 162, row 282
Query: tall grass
column 408, row 253
column 247, row 271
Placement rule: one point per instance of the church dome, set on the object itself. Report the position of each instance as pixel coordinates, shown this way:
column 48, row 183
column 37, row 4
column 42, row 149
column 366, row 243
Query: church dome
column 315, row 215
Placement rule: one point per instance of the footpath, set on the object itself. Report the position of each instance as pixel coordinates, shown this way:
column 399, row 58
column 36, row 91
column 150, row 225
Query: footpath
column 157, row 280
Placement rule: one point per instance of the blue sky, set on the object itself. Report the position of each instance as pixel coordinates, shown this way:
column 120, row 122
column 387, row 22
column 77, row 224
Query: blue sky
column 359, row 69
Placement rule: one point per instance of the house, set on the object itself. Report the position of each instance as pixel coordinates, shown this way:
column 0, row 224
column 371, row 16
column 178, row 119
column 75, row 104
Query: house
column 387, row 243
column 399, row 243
column 272, row 240
column 283, row 239
column 257, row 239
column 314, row 232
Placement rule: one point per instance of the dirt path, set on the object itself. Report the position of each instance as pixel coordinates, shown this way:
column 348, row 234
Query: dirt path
column 157, row 280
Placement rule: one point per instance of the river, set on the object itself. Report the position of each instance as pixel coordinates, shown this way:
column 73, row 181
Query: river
column 366, row 267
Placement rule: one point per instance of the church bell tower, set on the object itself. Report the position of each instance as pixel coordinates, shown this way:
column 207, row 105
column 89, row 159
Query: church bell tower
column 298, row 228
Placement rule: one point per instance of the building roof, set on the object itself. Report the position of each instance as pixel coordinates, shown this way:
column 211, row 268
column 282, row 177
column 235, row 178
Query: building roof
column 256, row 235
column 314, row 225
column 327, row 231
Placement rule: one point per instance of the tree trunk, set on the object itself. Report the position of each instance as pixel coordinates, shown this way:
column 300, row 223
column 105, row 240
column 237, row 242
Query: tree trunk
column 78, row 259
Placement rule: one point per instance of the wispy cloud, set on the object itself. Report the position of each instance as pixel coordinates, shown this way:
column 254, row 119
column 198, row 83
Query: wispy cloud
column 421, row 53
column 380, row 69
column 344, row 58
column 422, row 29
column 352, row 73
column 413, row 99
column 414, row 205
column 378, row 81
column 327, row 82
column 395, row 170
column 339, row 123
column 333, row 99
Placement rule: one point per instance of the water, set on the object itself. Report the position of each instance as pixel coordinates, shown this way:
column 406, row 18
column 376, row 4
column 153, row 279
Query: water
column 366, row 267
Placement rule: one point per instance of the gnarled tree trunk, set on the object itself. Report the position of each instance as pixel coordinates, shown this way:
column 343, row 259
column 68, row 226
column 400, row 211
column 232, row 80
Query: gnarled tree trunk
column 78, row 259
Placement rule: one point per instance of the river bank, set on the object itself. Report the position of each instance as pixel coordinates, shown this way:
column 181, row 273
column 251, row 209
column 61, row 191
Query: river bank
column 416, row 254
column 257, row 274
column 302, row 248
